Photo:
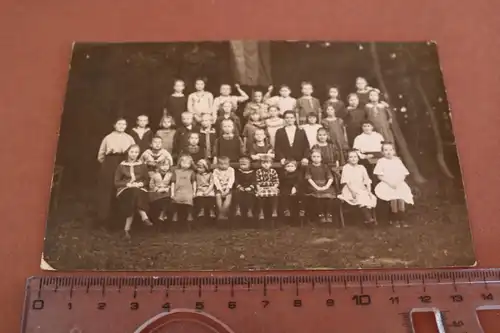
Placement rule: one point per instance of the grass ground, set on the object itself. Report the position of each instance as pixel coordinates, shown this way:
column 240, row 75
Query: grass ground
column 437, row 235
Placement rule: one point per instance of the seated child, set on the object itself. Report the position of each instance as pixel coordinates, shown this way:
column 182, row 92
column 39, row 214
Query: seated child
column 205, row 193
column 224, row 178
column 256, row 105
column 254, row 123
column 142, row 134
column 182, row 133
column 273, row 123
column 207, row 137
column 130, row 181
column 193, row 148
column 183, row 188
column 311, row 128
column 357, row 187
column 261, row 148
column 166, row 133
column 289, row 188
column 392, row 187
column 267, row 187
column 156, row 155
column 159, row 188
column 369, row 146
column 245, row 188
column 319, row 188
column 227, row 113
column 228, row 144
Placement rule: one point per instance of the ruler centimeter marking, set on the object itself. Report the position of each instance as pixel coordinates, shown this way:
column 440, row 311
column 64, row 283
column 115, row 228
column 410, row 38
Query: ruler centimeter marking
column 383, row 302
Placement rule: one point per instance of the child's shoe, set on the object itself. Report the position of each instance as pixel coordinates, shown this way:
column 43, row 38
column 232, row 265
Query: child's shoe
column 302, row 213
column 287, row 213
column 238, row 211
column 322, row 218
column 212, row 214
column 261, row 215
column 201, row 213
column 250, row 214
column 329, row 218
column 147, row 222
column 190, row 217
column 274, row 215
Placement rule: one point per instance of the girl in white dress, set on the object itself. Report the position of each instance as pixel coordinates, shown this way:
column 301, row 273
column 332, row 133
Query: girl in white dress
column 392, row 187
column 357, row 187
column 311, row 128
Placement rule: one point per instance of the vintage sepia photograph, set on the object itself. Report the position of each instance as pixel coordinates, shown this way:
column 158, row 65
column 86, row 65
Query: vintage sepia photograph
column 256, row 155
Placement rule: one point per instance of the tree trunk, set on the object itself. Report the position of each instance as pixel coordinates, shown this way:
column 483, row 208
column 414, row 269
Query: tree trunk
column 398, row 134
column 434, row 123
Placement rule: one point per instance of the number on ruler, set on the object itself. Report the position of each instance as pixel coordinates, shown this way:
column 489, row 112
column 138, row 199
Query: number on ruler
column 425, row 299
column 265, row 303
column 297, row 303
column 166, row 306
column 70, row 306
column 101, row 306
column 199, row 306
column 134, row 306
column 457, row 298
column 487, row 297
column 457, row 323
column 394, row 300
column 231, row 305
column 362, row 299
column 330, row 302
column 38, row 304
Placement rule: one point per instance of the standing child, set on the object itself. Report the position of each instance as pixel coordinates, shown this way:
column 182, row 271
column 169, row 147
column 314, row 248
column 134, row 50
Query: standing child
column 379, row 114
column 362, row 91
column 228, row 113
column 357, row 187
column 267, row 187
column 176, row 103
column 182, row 133
column 311, row 128
column 273, row 123
column 183, row 188
column 392, row 187
column 354, row 119
column 208, row 136
column 131, row 178
column 224, row 178
column 307, row 104
column 319, row 188
column 330, row 155
column 337, row 104
column 254, row 123
column 167, row 132
column 261, row 148
column 200, row 102
column 193, row 148
column 142, row 134
column 228, row 144
column 289, row 186
column 205, row 193
column 159, row 189
column 336, row 131
column 111, row 153
column 256, row 105
column 283, row 102
column 156, row 155
column 225, row 96
column 245, row 188
column 369, row 146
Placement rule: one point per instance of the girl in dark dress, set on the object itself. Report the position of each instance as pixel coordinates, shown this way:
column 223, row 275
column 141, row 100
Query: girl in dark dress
column 186, row 127
column 362, row 90
column 142, row 134
column 111, row 153
column 354, row 119
column 289, row 188
column 337, row 104
column 176, row 103
column 131, row 181
column 245, row 188
column 228, row 144
column 291, row 141
column 193, row 148
column 261, row 148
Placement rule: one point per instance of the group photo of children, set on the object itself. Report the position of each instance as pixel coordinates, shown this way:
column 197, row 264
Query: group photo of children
column 242, row 161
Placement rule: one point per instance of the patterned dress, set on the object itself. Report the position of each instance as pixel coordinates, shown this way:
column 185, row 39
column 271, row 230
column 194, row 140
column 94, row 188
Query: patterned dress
column 267, row 183
column 337, row 135
column 159, row 186
column 380, row 116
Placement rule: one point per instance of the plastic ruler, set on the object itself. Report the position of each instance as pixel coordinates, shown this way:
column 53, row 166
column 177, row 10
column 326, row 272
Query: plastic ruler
column 335, row 301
